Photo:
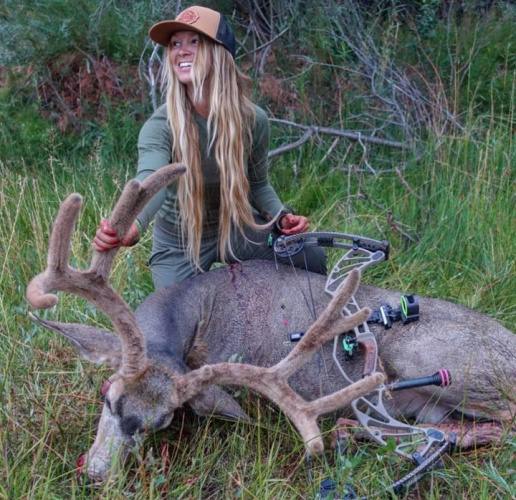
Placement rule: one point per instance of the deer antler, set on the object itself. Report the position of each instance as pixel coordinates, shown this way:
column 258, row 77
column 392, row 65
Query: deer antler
column 92, row 284
column 272, row 382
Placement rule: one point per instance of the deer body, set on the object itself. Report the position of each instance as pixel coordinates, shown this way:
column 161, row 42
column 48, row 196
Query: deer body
column 175, row 348
column 247, row 312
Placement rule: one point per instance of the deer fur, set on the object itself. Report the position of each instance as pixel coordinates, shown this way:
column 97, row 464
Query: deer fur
column 248, row 312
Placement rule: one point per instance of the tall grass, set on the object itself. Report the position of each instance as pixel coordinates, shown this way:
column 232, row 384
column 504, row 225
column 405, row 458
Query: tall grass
column 460, row 211
column 449, row 217
column 452, row 228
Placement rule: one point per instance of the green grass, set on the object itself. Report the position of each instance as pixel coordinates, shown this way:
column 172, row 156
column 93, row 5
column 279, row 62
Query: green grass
column 449, row 219
column 460, row 211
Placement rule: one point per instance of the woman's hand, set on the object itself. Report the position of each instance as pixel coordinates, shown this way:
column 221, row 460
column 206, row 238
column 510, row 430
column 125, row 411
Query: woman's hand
column 107, row 239
column 293, row 224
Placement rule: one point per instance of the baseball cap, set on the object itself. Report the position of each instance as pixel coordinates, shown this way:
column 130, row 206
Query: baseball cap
column 200, row 19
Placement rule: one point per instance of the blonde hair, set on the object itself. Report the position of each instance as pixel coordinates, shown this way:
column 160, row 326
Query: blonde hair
column 230, row 123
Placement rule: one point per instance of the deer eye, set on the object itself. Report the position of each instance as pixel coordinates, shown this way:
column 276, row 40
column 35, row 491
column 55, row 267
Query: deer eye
column 130, row 425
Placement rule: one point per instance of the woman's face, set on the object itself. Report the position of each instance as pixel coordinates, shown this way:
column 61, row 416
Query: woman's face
column 182, row 49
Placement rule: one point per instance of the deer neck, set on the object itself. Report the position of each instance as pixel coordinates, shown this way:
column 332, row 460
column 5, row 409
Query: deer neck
column 174, row 321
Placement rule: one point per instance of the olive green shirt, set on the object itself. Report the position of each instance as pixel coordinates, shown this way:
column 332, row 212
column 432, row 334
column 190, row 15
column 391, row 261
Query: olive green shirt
column 155, row 150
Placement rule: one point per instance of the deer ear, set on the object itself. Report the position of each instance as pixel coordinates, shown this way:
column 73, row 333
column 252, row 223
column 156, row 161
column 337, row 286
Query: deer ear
column 215, row 401
column 210, row 401
column 93, row 344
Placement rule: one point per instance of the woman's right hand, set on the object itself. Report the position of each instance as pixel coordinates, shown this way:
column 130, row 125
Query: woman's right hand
column 107, row 239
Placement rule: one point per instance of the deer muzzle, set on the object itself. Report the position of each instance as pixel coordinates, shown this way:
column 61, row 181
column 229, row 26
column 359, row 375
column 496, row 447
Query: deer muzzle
column 109, row 450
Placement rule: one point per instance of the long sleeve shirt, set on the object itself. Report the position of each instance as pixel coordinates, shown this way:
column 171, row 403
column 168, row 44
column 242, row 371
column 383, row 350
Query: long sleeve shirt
column 155, row 151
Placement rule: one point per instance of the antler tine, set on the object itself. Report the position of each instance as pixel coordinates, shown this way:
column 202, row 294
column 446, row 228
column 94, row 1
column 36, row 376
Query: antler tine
column 273, row 382
column 134, row 197
column 58, row 253
column 331, row 322
column 92, row 284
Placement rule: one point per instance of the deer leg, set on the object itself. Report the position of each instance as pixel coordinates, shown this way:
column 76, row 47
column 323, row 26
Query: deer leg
column 469, row 434
column 473, row 434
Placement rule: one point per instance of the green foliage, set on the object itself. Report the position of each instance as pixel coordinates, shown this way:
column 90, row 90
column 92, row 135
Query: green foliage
column 448, row 215
column 36, row 31
column 460, row 193
column 28, row 140
column 477, row 60
column 428, row 16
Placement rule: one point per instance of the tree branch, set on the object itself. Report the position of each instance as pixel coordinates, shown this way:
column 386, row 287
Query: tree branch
column 310, row 130
column 293, row 145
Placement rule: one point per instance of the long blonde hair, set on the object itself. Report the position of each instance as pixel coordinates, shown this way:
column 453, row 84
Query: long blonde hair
column 230, row 129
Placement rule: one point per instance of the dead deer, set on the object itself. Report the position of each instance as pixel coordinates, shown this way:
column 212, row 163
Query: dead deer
column 173, row 350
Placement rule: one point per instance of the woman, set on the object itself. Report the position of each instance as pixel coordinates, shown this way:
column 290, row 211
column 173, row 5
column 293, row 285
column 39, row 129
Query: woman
column 220, row 209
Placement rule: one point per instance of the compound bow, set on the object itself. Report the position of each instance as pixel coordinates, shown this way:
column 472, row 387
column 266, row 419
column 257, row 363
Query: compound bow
column 423, row 446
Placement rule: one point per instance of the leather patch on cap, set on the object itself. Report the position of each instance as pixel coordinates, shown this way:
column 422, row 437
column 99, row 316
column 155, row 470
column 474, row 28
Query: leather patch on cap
column 189, row 16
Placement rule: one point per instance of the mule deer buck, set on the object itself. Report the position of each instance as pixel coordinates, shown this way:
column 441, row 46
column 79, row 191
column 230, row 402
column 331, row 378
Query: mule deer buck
column 173, row 350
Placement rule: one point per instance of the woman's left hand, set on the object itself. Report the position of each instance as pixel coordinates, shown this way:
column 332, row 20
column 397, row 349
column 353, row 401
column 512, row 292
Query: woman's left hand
column 293, row 224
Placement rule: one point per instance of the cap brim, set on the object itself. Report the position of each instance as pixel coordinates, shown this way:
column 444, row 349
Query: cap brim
column 162, row 31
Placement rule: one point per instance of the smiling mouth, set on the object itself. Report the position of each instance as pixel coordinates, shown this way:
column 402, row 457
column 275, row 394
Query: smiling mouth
column 183, row 65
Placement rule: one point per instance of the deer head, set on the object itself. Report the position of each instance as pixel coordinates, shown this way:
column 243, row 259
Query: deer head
column 143, row 393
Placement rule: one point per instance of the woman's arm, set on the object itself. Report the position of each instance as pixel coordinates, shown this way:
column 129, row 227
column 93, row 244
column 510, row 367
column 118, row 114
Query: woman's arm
column 154, row 151
column 263, row 196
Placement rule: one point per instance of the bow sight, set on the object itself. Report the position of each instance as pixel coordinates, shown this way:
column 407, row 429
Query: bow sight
column 422, row 446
